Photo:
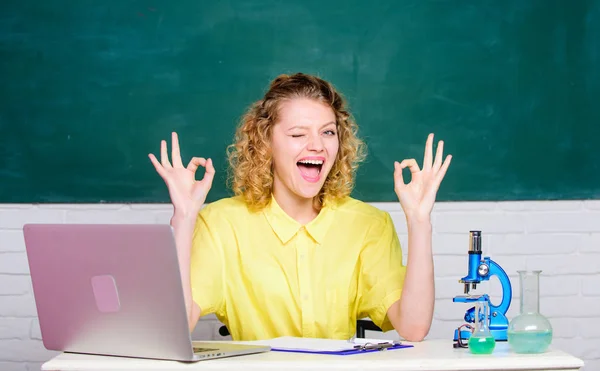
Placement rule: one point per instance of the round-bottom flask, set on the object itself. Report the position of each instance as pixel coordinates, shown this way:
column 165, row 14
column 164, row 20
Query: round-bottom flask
column 530, row 331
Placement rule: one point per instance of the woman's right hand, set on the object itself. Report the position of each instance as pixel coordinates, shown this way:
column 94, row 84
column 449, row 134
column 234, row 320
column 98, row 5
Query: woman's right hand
column 187, row 194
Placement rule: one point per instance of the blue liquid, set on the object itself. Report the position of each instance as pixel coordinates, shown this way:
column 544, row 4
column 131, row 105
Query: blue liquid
column 529, row 341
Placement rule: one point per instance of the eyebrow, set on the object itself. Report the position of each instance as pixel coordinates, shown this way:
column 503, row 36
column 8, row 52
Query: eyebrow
column 306, row 127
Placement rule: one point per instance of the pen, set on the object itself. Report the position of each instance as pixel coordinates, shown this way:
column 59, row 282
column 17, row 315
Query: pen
column 377, row 346
column 363, row 341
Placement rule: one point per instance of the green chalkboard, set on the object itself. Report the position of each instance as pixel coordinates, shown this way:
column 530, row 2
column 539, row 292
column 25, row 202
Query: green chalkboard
column 90, row 87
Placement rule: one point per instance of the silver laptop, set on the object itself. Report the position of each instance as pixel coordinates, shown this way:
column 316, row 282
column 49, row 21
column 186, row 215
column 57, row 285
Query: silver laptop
column 112, row 289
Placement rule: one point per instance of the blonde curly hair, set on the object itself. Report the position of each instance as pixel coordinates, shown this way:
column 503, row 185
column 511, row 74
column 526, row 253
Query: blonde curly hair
column 250, row 157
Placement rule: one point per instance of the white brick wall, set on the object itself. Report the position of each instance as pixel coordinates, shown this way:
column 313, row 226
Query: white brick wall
column 560, row 238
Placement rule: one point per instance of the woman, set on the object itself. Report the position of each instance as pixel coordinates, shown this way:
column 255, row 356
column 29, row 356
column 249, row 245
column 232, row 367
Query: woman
column 292, row 253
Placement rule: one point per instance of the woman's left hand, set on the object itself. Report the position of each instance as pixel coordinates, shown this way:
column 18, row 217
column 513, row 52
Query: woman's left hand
column 418, row 196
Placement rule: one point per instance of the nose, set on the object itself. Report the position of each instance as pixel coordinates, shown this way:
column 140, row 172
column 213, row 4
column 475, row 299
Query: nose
column 315, row 143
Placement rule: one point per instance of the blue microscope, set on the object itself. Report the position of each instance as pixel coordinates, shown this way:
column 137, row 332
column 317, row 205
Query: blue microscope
column 481, row 269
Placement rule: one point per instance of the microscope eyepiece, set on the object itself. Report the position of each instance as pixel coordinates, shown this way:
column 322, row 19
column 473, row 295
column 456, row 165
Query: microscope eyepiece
column 475, row 242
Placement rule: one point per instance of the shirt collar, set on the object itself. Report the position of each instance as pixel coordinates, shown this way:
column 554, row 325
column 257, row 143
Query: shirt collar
column 285, row 227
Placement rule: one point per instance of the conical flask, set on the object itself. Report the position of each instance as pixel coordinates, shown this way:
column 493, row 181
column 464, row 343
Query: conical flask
column 481, row 340
column 530, row 331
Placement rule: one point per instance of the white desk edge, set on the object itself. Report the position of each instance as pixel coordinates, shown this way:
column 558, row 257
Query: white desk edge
column 429, row 355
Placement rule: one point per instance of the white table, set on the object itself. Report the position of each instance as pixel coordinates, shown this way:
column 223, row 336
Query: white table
column 429, row 355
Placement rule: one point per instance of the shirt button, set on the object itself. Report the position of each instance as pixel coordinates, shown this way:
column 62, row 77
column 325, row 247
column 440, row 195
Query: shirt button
column 301, row 256
column 305, row 297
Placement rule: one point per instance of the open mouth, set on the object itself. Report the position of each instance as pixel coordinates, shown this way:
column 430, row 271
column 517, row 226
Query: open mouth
column 310, row 169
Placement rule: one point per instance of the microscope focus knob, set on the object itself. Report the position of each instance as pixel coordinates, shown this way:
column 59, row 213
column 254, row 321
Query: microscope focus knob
column 483, row 269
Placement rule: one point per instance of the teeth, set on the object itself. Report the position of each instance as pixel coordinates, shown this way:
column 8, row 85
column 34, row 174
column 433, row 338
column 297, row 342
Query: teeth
column 312, row 162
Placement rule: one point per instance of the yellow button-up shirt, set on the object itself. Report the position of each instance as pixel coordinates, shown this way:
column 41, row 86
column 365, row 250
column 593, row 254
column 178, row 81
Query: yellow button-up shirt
column 265, row 275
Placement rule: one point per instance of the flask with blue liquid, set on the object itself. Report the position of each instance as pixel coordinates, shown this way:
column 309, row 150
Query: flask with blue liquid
column 530, row 331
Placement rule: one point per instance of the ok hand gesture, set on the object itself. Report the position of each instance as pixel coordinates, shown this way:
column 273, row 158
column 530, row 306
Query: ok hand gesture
column 187, row 194
column 418, row 196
